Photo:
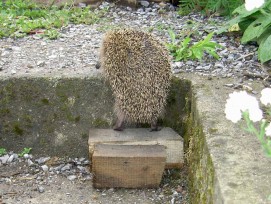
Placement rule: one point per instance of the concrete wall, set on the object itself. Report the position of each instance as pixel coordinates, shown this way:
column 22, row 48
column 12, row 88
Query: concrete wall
column 54, row 115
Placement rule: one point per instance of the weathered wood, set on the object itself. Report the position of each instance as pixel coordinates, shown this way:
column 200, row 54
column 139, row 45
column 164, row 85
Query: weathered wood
column 128, row 166
column 142, row 136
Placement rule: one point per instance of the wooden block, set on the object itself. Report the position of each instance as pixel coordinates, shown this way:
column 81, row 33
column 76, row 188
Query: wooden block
column 128, row 166
column 142, row 136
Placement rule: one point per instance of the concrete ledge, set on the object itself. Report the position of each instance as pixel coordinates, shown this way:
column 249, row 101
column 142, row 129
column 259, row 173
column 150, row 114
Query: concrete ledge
column 226, row 164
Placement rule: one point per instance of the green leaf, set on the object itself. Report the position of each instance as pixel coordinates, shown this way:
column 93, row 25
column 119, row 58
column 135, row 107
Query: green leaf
column 264, row 36
column 268, row 5
column 241, row 10
column 213, row 53
column 3, row 151
column 172, row 35
column 255, row 29
column 212, row 45
column 243, row 19
column 245, row 23
column 178, row 58
column 264, row 52
column 208, row 37
column 25, row 151
column 185, row 42
column 198, row 53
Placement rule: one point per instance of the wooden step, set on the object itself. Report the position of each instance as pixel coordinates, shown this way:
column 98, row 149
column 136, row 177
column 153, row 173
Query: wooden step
column 128, row 166
column 142, row 136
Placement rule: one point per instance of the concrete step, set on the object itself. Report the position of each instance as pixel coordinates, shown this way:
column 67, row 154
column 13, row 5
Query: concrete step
column 53, row 114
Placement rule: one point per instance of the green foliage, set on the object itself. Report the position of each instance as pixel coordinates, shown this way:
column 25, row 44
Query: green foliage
column 184, row 50
column 83, row 16
column 51, row 34
column 224, row 7
column 185, row 7
column 265, row 141
column 25, row 151
column 21, row 17
column 256, row 26
column 3, row 151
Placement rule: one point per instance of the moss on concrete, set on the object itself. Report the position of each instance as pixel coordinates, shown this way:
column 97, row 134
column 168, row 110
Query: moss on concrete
column 45, row 101
column 34, row 110
column 99, row 122
column 200, row 166
column 178, row 105
column 17, row 129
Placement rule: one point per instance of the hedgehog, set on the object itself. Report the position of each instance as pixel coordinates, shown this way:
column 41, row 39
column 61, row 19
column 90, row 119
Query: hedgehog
column 137, row 67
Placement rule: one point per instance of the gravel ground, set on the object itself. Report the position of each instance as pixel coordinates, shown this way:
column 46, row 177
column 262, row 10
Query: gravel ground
column 76, row 51
column 45, row 180
column 57, row 180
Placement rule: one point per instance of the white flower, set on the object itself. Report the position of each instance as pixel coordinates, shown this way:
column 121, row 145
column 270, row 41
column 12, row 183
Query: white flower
column 268, row 130
column 266, row 96
column 232, row 108
column 252, row 4
column 239, row 102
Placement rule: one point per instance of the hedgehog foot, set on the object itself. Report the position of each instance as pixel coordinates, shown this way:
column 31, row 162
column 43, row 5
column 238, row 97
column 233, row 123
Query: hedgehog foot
column 98, row 65
column 154, row 127
column 119, row 126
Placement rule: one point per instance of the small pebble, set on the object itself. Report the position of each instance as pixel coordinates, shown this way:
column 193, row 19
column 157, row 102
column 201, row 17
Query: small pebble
column 72, row 177
column 10, row 159
column 40, row 63
column 29, row 162
column 26, row 156
column 13, row 71
column 66, row 167
column 144, row 3
column 42, row 160
column 4, row 159
column 45, row 168
column 41, row 189
column 229, row 85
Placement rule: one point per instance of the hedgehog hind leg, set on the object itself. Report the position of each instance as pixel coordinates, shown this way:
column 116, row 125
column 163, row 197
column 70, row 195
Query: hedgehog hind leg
column 119, row 125
column 155, row 127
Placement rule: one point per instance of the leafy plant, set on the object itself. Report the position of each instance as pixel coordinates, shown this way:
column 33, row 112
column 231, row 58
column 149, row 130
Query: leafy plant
column 188, row 4
column 184, row 50
column 224, row 7
column 51, row 34
column 3, row 151
column 21, row 17
column 83, row 16
column 256, row 26
column 25, row 151
column 185, row 7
